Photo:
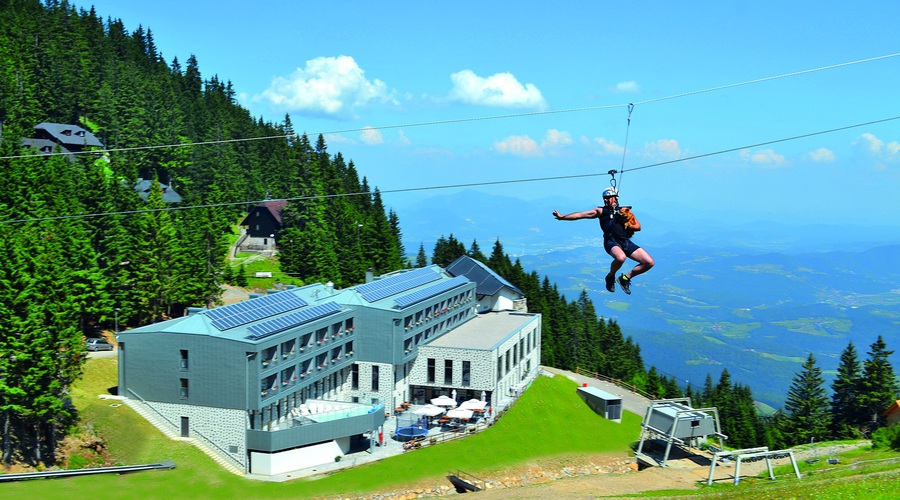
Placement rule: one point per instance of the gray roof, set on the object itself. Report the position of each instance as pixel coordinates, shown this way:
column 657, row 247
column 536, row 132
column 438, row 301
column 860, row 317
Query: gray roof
column 203, row 322
column 489, row 282
column 42, row 144
column 484, row 331
column 142, row 186
column 70, row 134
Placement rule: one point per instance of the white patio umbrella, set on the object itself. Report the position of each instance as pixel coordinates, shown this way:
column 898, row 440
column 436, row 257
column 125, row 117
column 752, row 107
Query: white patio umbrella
column 472, row 404
column 429, row 411
column 457, row 413
column 453, row 395
column 483, row 396
column 443, row 401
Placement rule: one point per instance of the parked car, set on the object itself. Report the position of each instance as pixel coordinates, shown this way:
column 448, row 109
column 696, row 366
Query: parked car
column 98, row 345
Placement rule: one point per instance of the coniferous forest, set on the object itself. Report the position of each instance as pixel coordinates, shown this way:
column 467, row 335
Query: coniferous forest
column 82, row 249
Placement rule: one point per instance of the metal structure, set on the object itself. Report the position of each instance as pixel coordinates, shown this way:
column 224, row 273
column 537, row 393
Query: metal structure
column 603, row 403
column 751, row 455
column 675, row 421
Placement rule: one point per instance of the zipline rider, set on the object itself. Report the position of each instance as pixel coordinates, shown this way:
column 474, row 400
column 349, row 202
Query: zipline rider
column 616, row 239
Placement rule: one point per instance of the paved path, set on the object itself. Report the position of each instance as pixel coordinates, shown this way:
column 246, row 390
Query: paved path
column 633, row 402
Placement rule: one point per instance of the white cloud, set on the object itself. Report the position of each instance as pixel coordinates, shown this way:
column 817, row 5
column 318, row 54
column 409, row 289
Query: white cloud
column 609, row 147
column 556, row 138
column 886, row 152
column 518, row 145
column 330, row 86
column 630, row 87
column 664, row 149
column 499, row 90
column 402, row 139
column 337, row 138
column 893, row 148
column 371, row 136
column 871, row 143
column 767, row 157
column 523, row 145
column 821, row 155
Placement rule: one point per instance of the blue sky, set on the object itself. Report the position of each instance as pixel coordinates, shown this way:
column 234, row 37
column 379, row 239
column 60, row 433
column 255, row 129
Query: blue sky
column 395, row 66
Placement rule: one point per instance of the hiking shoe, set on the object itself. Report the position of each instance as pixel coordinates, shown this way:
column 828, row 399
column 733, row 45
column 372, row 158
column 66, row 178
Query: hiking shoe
column 625, row 283
column 611, row 282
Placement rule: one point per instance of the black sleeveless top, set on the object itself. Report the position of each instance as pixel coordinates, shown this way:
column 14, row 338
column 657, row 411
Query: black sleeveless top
column 612, row 226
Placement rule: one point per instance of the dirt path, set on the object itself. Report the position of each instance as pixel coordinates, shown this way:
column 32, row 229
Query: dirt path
column 602, row 485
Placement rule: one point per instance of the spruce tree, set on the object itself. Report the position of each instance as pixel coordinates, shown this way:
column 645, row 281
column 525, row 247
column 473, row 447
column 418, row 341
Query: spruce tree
column 845, row 411
column 806, row 406
column 421, row 257
column 878, row 387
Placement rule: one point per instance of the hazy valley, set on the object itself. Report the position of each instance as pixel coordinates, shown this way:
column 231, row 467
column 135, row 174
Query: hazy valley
column 752, row 297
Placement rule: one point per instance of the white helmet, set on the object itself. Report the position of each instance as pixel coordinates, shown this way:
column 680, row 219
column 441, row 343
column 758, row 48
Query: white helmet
column 610, row 192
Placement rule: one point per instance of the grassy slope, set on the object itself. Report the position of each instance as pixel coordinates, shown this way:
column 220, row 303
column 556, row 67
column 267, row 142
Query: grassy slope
column 550, row 420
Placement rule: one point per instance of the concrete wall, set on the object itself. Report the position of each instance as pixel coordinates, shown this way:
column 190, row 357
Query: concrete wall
column 300, row 458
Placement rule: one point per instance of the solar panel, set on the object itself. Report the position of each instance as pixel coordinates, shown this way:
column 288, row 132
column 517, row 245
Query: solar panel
column 291, row 320
column 399, row 283
column 426, row 293
column 241, row 313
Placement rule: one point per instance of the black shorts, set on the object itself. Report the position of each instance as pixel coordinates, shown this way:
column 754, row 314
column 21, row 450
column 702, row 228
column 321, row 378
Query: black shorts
column 627, row 246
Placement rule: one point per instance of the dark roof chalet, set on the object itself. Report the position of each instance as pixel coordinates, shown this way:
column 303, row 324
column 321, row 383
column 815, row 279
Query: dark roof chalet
column 273, row 207
column 45, row 146
column 143, row 186
column 68, row 135
column 488, row 282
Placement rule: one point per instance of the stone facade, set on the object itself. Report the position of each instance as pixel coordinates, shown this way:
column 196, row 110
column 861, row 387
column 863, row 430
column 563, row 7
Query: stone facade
column 223, row 428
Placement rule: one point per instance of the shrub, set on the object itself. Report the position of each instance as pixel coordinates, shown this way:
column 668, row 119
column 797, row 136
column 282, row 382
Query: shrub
column 887, row 437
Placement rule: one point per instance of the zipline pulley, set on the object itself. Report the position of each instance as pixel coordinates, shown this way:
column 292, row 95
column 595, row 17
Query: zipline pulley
column 612, row 182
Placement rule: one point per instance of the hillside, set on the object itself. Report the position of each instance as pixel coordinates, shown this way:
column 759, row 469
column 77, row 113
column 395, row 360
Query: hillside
column 747, row 297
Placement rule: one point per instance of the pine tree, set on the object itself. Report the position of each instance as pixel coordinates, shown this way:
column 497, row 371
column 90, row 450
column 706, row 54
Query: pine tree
column 476, row 253
column 845, row 411
column 421, row 258
column 806, row 406
column 446, row 250
column 878, row 387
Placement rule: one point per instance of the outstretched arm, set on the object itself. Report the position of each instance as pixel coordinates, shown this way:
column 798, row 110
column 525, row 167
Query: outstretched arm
column 587, row 214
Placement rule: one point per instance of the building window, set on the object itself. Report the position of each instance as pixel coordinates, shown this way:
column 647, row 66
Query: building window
column 499, row 367
column 430, row 371
column 466, row 373
column 375, row 378
column 508, row 364
column 184, row 360
column 515, row 357
column 354, row 376
column 184, row 388
column 448, row 372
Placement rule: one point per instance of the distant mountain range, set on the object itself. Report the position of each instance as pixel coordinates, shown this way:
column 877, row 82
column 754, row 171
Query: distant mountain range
column 755, row 297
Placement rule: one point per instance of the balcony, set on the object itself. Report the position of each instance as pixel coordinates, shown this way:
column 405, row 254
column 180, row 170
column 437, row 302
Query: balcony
column 294, row 430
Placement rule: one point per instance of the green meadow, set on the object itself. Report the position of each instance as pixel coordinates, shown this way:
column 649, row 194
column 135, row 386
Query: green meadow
column 548, row 421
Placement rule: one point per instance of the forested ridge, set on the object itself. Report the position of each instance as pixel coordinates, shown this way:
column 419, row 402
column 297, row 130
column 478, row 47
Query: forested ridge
column 81, row 246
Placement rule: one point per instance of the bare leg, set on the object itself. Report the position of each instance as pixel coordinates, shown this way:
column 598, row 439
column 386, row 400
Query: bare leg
column 644, row 260
column 618, row 256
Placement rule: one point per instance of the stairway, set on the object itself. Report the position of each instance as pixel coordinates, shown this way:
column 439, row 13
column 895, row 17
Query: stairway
column 169, row 431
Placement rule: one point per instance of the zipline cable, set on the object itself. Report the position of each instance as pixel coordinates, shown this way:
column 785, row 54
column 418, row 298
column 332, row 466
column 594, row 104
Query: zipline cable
column 613, row 181
column 478, row 118
column 452, row 186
